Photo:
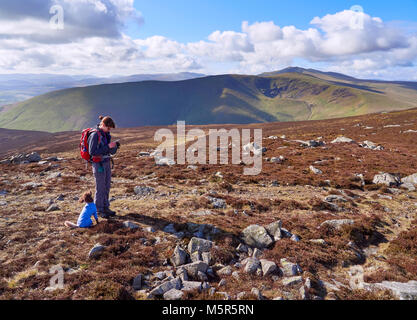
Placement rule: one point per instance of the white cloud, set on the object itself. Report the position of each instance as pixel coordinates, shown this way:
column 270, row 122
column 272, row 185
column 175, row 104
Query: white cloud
column 93, row 42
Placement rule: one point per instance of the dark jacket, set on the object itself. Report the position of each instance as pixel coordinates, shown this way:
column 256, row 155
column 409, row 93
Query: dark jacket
column 102, row 148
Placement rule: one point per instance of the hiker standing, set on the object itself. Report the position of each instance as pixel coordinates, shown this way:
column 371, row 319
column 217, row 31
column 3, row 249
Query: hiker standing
column 101, row 148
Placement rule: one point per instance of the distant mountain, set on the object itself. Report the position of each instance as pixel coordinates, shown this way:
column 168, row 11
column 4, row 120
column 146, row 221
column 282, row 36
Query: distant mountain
column 19, row 87
column 288, row 95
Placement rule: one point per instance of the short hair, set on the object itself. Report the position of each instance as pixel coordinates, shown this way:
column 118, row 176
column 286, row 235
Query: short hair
column 87, row 197
column 108, row 122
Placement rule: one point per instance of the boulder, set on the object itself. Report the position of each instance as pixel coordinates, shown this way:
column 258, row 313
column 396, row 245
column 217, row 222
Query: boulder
column 290, row 281
column 257, row 236
column 173, row 294
column 252, row 265
column 137, row 282
column 130, row 225
column 226, row 271
column 410, row 179
column 191, row 286
column 342, row 140
column 370, row 145
column 290, row 269
column 166, row 286
column 315, row 170
column 387, row 179
column 96, row 251
column 179, row 256
column 335, row 198
column 274, row 230
column 268, row 267
column 195, row 267
column 200, row 245
column 164, row 162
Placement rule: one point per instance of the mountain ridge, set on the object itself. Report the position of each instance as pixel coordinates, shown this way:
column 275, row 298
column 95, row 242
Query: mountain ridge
column 286, row 95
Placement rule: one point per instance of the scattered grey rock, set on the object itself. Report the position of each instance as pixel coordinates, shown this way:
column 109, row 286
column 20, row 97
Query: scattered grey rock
column 166, row 286
column 295, row 238
column 279, row 159
column 290, row 269
column 371, row 145
column 217, row 203
column 408, row 186
column 256, row 253
column 143, row 190
column 54, row 175
column 252, row 265
column 196, row 256
column 179, row 257
column 257, row 293
column 226, row 271
column 193, row 268
column 163, row 162
column 137, row 282
column 274, row 230
column 256, row 236
column 342, row 140
column 410, row 179
column 130, row 225
column 387, row 179
column 200, row 245
column 32, row 184
column 202, row 213
column 222, row 283
column 191, row 286
column 290, row 281
column 242, row 248
column 337, row 224
column 315, row 170
column 52, row 207
column 235, row 275
column 268, row 267
column 335, row 198
column 96, row 251
column 173, row 294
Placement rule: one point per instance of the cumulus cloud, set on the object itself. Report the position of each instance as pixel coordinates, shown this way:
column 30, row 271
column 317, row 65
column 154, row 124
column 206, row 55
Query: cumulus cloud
column 82, row 19
column 93, row 42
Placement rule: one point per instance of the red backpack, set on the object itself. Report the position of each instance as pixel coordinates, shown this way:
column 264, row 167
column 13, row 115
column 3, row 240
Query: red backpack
column 85, row 154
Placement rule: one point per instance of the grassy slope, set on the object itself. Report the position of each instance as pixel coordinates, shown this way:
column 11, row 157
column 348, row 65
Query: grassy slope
column 209, row 100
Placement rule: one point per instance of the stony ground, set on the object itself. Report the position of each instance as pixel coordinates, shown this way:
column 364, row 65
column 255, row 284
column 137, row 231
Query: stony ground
column 148, row 251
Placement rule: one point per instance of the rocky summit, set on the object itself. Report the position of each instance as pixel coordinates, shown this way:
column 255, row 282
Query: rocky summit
column 327, row 217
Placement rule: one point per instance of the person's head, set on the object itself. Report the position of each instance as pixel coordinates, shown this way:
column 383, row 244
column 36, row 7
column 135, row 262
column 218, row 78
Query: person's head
column 87, row 197
column 106, row 124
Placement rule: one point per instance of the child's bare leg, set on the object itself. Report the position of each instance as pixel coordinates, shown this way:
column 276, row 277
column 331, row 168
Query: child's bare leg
column 70, row 225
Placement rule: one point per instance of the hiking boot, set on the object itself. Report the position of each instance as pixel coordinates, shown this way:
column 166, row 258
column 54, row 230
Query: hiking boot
column 103, row 214
column 109, row 212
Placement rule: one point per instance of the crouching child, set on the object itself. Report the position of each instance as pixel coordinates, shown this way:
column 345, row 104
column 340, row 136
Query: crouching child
column 90, row 209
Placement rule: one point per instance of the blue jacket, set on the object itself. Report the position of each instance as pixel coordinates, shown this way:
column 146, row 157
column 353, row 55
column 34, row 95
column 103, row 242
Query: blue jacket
column 102, row 148
column 84, row 220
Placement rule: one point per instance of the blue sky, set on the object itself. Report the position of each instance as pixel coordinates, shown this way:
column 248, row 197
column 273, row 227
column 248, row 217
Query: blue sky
column 194, row 20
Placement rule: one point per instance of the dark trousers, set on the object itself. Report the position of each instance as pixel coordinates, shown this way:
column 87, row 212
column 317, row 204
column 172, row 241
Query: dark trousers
column 103, row 182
